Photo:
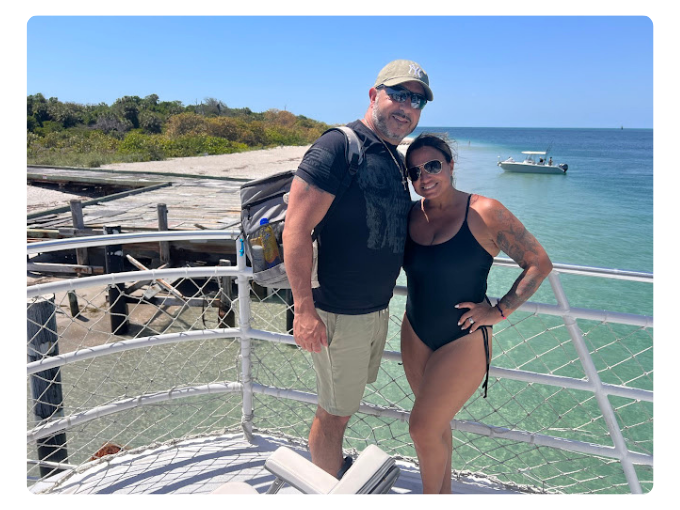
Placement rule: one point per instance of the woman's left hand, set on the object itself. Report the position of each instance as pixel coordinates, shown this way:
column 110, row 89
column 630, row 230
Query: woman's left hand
column 478, row 315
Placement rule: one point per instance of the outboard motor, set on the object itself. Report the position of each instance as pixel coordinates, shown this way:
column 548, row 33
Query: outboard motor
column 563, row 166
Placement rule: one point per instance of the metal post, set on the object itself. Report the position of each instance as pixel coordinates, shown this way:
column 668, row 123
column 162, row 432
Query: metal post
column 244, row 325
column 597, row 387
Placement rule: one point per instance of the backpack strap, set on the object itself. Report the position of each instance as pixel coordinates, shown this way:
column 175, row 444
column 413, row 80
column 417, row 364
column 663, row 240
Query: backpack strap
column 354, row 157
column 354, row 154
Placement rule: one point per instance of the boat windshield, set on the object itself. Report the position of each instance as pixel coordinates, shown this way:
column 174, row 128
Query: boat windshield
column 529, row 158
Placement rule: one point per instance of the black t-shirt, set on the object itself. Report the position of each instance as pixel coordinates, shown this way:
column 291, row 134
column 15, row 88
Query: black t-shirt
column 361, row 244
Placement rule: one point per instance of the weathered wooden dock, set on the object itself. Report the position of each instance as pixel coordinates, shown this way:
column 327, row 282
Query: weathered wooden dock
column 140, row 202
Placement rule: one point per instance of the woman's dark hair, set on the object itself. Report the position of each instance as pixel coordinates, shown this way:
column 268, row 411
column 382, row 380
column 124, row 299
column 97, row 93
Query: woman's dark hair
column 436, row 141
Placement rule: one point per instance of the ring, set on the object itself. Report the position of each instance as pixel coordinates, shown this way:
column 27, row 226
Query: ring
column 471, row 320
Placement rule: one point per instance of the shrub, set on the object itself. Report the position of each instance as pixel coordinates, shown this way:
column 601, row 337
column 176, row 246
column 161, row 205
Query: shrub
column 224, row 127
column 150, row 122
column 135, row 129
column 108, row 123
column 185, row 124
column 196, row 145
column 143, row 146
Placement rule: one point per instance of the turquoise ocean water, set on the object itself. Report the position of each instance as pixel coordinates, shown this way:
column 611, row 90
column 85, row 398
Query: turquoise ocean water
column 599, row 214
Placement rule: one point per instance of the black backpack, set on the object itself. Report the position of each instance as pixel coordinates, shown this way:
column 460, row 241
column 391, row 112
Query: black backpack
column 268, row 198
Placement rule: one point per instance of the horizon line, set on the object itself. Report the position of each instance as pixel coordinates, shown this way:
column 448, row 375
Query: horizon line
column 533, row 127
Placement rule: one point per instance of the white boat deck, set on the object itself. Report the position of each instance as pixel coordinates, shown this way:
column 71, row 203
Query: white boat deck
column 201, row 465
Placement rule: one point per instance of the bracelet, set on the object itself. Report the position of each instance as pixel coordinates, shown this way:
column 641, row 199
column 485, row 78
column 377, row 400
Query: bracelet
column 498, row 305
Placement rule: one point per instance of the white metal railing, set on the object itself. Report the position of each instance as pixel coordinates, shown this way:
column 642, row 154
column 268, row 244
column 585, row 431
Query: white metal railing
column 592, row 383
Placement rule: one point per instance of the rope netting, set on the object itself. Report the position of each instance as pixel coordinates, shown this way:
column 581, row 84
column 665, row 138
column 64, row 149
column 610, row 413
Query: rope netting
column 165, row 374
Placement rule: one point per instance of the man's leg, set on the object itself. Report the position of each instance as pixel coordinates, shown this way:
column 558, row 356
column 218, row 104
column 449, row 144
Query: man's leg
column 355, row 345
column 325, row 440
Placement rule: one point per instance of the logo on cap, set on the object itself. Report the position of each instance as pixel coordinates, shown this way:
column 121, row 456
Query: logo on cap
column 415, row 70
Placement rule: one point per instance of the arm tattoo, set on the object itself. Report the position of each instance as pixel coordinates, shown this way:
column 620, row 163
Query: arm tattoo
column 308, row 186
column 514, row 239
column 518, row 243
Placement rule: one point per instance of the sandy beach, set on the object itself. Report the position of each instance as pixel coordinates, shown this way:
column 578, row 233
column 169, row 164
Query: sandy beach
column 243, row 165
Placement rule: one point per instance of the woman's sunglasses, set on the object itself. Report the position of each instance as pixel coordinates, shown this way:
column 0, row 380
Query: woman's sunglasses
column 431, row 167
column 401, row 95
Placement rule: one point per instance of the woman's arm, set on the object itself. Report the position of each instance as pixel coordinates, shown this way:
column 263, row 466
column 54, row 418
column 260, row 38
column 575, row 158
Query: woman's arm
column 508, row 234
column 521, row 246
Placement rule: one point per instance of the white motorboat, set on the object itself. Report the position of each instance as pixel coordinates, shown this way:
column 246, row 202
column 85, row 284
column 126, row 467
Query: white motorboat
column 531, row 166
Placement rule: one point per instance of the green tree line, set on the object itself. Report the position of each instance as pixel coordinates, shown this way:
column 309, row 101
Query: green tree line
column 147, row 129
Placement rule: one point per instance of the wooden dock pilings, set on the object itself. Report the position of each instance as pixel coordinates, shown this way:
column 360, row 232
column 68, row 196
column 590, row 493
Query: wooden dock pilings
column 157, row 203
column 46, row 391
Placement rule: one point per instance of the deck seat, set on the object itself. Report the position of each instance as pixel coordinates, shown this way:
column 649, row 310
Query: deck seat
column 373, row 472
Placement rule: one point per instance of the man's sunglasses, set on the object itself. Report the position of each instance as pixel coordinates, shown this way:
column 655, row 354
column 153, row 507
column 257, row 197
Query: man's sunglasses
column 431, row 167
column 401, row 95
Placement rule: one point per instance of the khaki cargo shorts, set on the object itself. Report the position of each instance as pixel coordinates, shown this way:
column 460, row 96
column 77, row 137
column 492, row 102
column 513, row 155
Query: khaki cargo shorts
column 352, row 359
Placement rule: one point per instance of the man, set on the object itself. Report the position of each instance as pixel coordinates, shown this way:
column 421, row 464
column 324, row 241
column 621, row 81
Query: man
column 343, row 323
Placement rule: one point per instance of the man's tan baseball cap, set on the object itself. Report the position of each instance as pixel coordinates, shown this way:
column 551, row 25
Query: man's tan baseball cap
column 401, row 71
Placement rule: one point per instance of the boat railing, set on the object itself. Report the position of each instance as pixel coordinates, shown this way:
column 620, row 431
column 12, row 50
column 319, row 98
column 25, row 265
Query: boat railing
column 129, row 359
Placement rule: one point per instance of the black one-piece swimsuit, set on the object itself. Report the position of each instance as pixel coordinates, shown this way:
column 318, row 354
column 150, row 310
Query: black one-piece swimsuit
column 439, row 277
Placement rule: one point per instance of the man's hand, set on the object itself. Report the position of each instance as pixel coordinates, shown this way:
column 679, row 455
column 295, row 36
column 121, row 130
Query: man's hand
column 309, row 331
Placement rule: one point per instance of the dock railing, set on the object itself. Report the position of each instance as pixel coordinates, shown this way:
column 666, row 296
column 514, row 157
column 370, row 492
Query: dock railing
column 137, row 358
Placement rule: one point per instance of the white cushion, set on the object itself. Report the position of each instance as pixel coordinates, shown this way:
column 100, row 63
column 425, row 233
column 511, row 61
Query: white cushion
column 299, row 472
column 368, row 469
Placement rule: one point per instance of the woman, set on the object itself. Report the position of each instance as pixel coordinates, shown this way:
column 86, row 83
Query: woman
column 446, row 331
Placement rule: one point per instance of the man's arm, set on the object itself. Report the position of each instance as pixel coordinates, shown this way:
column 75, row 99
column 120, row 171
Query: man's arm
column 307, row 205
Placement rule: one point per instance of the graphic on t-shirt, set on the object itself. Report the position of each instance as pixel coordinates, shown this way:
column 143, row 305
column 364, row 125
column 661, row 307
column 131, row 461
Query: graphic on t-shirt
column 384, row 212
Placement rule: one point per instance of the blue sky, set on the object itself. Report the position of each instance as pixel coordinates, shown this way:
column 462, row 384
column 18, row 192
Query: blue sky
column 553, row 71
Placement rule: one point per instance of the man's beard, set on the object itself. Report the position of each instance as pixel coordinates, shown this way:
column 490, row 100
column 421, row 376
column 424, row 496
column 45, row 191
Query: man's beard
column 380, row 123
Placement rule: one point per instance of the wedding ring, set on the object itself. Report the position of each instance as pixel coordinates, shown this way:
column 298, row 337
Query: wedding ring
column 471, row 320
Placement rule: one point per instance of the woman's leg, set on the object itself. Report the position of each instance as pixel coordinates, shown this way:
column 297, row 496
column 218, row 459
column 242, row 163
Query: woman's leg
column 415, row 355
column 451, row 375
